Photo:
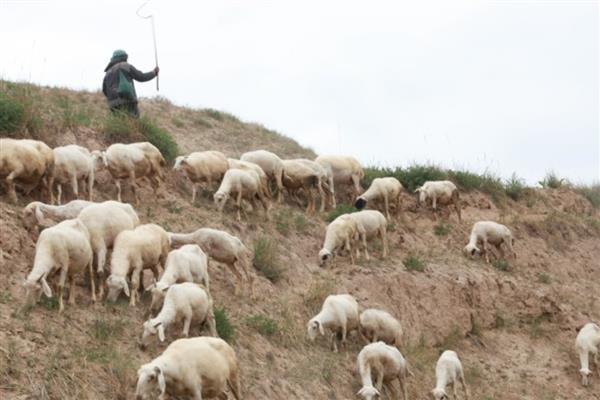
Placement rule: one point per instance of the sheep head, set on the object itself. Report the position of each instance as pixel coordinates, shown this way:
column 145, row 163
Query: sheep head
column 439, row 394
column 422, row 195
column 368, row 393
column 115, row 285
column 324, row 257
column 151, row 383
column 585, row 373
column 314, row 327
column 471, row 250
column 34, row 290
column 99, row 159
column 152, row 327
column 179, row 161
column 158, row 290
column 220, row 198
column 360, row 203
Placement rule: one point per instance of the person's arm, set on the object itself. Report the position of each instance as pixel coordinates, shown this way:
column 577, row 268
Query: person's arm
column 142, row 76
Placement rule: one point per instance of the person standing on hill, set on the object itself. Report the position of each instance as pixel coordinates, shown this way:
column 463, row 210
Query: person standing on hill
column 118, row 84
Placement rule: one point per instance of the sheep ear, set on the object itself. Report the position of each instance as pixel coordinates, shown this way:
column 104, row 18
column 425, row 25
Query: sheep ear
column 321, row 329
column 161, row 380
column 161, row 332
column 126, row 288
column 46, row 288
column 167, row 288
column 38, row 215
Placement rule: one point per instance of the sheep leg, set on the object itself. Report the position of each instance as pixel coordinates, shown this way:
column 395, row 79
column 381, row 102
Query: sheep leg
column 238, row 277
column 334, row 345
column 212, row 325
column 234, row 384
column 279, row 181
column 321, row 196
column 133, row 187
column 398, row 204
column 463, row 384
column 72, row 290
column 383, row 233
column 135, row 284
column 59, row 194
column 454, row 389
column 364, row 243
column 349, row 248
column 403, row 387
column 484, row 246
column 197, row 392
column 118, row 185
column 379, row 381
column 238, row 203
column 248, row 275
column 193, row 193
column 61, row 285
column 187, row 314
column 92, row 283
column 386, row 203
column 10, row 185
column 74, row 186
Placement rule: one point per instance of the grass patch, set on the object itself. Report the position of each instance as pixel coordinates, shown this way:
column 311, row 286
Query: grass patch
column 220, row 115
column 103, row 329
column 316, row 294
column 591, row 193
column 19, row 110
column 49, row 303
column 502, row 265
column 414, row 263
column 266, row 259
column 544, row 278
column 442, row 229
column 551, row 180
column 514, row 187
column 225, row 329
column 11, row 114
column 158, row 137
column 262, row 324
column 178, row 122
column 341, row 209
column 119, row 128
column 201, row 122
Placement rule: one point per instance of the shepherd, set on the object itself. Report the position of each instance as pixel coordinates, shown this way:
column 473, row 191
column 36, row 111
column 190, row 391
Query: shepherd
column 118, row 84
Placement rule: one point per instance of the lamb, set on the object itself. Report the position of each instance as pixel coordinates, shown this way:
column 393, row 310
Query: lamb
column 443, row 192
column 241, row 184
column 131, row 161
column 183, row 300
column 203, row 166
column 339, row 316
column 63, row 248
column 146, row 246
column 271, row 164
column 104, row 222
column 186, row 264
column 345, row 170
column 489, row 232
column 22, row 163
column 370, row 224
column 249, row 166
column 297, row 176
column 37, row 213
column 587, row 342
column 198, row 368
column 384, row 190
column 376, row 325
column 74, row 163
column 340, row 234
column 223, row 248
column 448, row 370
column 388, row 365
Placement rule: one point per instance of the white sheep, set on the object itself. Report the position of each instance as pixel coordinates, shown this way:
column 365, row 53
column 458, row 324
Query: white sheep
column 200, row 367
column 448, row 371
column 183, row 301
column 384, row 190
column 371, row 223
column 387, row 364
column 489, row 232
column 37, row 213
column 271, row 164
column 104, row 222
column 442, row 192
column 586, row 343
column 325, row 175
column 346, row 171
column 243, row 185
column 72, row 164
column 341, row 233
column 132, row 161
column 186, row 264
column 202, row 166
column 145, row 247
column 339, row 316
column 48, row 154
column 63, row 248
column 221, row 247
column 299, row 176
column 21, row 163
column 376, row 325
column 249, row 166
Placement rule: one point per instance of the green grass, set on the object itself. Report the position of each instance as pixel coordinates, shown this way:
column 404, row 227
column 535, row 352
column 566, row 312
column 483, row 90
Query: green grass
column 19, row 110
column 158, row 137
column 544, row 278
column 341, row 209
column 178, row 122
column 551, row 180
column 514, row 187
column 442, row 229
column 118, row 127
column 414, row 263
column 220, row 116
column 591, row 193
column 104, row 329
column 502, row 265
column 266, row 259
column 11, row 114
column 225, row 329
column 262, row 324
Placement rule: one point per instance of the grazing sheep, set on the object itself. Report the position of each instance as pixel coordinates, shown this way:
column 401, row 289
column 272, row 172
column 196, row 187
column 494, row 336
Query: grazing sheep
column 378, row 325
column 145, row 247
column 442, row 192
column 489, row 232
column 370, row 224
column 249, row 166
column 383, row 190
column 63, row 248
column 298, row 176
column 325, row 179
column 104, row 222
column 243, row 185
column 187, row 264
column 48, row 154
column 271, row 164
column 183, row 301
column 37, row 213
column 339, row 316
column 448, row 371
column 202, row 166
column 132, row 161
column 21, row 163
column 587, row 342
column 221, row 247
column 198, row 368
column 388, row 365
column 72, row 164
column 340, row 234
column 345, row 170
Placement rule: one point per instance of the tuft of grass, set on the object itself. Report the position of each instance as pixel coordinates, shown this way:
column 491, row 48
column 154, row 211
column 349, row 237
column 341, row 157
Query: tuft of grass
column 341, row 209
column 262, row 324
column 225, row 329
column 220, row 116
column 104, row 329
column 11, row 114
column 266, row 259
column 442, row 229
column 414, row 263
column 551, row 180
column 591, row 193
column 119, row 127
column 201, row 122
column 514, row 187
column 316, row 294
column 49, row 303
column 499, row 321
column 158, row 137
column 544, row 278
column 19, row 110
column 178, row 122
column 502, row 265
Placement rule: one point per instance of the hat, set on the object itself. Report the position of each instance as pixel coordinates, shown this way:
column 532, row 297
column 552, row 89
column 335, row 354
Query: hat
column 119, row 54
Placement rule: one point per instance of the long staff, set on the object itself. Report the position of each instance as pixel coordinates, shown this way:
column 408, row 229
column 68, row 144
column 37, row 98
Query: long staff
column 151, row 17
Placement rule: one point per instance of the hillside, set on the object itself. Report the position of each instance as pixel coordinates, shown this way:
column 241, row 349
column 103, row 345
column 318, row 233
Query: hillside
column 511, row 323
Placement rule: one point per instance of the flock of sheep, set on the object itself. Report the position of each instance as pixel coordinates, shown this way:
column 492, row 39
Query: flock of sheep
column 79, row 234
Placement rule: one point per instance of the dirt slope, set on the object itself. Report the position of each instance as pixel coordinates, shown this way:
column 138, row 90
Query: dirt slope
column 514, row 330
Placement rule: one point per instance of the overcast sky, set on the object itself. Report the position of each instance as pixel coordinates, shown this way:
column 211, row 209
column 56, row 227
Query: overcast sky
column 499, row 85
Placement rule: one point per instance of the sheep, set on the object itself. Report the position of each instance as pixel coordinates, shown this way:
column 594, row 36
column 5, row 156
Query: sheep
column 198, row 368
column 63, row 248
column 376, row 325
column 443, row 192
column 73, row 163
column 249, row 166
column 345, row 170
column 221, row 247
column 22, row 163
column 241, row 184
column 388, row 365
column 489, row 232
column 131, row 161
column 104, row 222
column 370, row 224
column 325, row 179
column 37, row 213
column 48, row 155
column 384, row 190
column 208, row 166
column 183, row 300
column 298, row 175
column 448, row 370
column 340, row 234
column 338, row 315
column 587, row 341
column 271, row 164
column 146, row 246
column 186, row 264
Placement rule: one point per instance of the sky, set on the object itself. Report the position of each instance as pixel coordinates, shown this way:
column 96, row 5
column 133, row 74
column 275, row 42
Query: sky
column 499, row 86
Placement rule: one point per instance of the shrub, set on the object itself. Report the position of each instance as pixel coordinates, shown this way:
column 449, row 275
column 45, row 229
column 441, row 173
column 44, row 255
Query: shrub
column 266, row 259
column 551, row 180
column 225, row 329
column 341, row 209
column 416, row 175
column 158, row 137
column 591, row 193
column 514, row 187
column 414, row 263
column 263, row 324
column 119, row 127
column 11, row 114
column 502, row 265
column 442, row 229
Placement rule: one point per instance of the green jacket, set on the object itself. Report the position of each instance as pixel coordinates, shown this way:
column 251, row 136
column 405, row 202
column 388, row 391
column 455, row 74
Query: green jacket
column 110, row 85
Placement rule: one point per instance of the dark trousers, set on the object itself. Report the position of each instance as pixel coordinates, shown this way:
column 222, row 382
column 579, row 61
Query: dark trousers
column 128, row 108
